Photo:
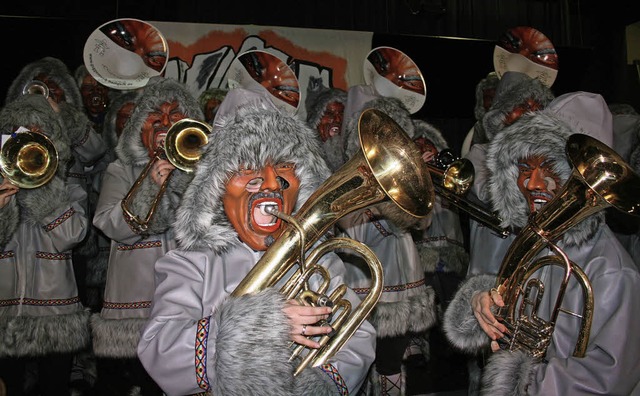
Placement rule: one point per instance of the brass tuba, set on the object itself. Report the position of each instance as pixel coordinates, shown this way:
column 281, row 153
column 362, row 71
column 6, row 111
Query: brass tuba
column 600, row 178
column 182, row 147
column 388, row 167
column 28, row 159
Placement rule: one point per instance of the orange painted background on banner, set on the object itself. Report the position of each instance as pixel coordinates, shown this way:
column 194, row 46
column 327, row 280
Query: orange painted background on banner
column 217, row 39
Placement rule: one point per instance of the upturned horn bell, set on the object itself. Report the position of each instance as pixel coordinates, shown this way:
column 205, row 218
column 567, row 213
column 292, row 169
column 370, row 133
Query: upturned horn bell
column 28, row 159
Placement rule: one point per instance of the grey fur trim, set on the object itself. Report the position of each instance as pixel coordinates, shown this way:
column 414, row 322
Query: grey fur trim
column 97, row 269
column 393, row 107
column 423, row 128
column 541, row 133
column 42, row 335
column 56, row 70
column 416, row 314
column 130, row 149
column 10, row 216
column 314, row 381
column 318, row 97
column 116, row 338
column 76, row 122
column 251, row 346
column 399, row 220
column 428, row 257
column 508, row 373
column 109, row 125
column 252, row 138
column 39, row 203
column 459, row 324
column 513, row 89
column 30, row 110
column 490, row 81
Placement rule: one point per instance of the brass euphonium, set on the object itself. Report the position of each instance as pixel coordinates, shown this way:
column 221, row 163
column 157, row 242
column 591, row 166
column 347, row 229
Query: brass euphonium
column 600, row 178
column 388, row 167
column 182, row 147
column 28, row 159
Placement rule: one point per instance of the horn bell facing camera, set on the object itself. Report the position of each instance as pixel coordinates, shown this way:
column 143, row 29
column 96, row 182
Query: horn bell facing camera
column 28, row 159
column 182, row 147
column 389, row 167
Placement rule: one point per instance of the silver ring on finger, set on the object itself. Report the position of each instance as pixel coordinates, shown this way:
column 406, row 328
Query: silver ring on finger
column 304, row 329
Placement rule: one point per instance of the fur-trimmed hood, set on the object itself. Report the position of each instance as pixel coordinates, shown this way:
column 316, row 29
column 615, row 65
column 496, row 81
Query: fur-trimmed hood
column 513, row 88
column 130, row 149
column 541, row 133
column 393, row 107
column 55, row 69
column 252, row 138
column 424, row 129
column 109, row 126
column 489, row 82
column 318, row 97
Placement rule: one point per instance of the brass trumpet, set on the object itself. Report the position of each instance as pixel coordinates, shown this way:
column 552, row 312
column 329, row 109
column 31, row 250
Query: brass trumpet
column 452, row 177
column 182, row 147
column 35, row 87
column 28, row 159
column 600, row 178
column 388, row 167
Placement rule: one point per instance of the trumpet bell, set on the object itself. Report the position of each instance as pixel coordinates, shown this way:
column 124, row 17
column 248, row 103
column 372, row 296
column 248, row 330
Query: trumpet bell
column 28, row 159
column 184, row 142
column 36, row 87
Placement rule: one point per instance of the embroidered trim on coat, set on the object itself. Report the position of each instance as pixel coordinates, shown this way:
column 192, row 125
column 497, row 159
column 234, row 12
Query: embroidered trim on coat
column 202, row 335
column 59, row 220
column 335, row 376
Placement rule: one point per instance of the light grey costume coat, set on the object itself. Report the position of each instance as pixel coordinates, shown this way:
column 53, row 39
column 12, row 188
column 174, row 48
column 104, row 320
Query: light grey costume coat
column 198, row 338
column 612, row 363
column 486, row 247
column 406, row 304
column 40, row 312
column 441, row 244
column 130, row 280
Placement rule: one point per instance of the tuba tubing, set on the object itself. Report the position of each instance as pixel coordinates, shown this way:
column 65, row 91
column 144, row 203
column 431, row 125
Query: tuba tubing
column 388, row 168
column 600, row 178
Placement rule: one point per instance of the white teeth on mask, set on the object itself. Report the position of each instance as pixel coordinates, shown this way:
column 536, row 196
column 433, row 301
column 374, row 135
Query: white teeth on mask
column 266, row 219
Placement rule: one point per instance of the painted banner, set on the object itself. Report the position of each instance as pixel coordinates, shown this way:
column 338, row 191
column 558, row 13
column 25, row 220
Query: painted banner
column 200, row 54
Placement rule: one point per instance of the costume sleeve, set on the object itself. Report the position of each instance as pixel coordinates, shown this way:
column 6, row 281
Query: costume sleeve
column 57, row 207
column 108, row 216
column 459, row 324
column 86, row 143
column 238, row 346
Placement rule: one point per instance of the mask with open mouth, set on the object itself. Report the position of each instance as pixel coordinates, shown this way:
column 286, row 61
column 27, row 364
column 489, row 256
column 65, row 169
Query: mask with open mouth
column 537, row 181
column 248, row 194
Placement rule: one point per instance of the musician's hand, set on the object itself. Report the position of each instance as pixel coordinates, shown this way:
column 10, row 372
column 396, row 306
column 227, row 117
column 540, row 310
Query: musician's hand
column 160, row 171
column 481, row 304
column 302, row 318
column 7, row 190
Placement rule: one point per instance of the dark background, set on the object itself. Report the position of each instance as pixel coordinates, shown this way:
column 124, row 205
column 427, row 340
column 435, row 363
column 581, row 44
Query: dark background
column 451, row 40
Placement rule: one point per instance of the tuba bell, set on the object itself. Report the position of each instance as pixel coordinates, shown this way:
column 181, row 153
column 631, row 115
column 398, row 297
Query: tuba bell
column 28, row 159
column 182, row 147
column 388, row 168
column 600, row 178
